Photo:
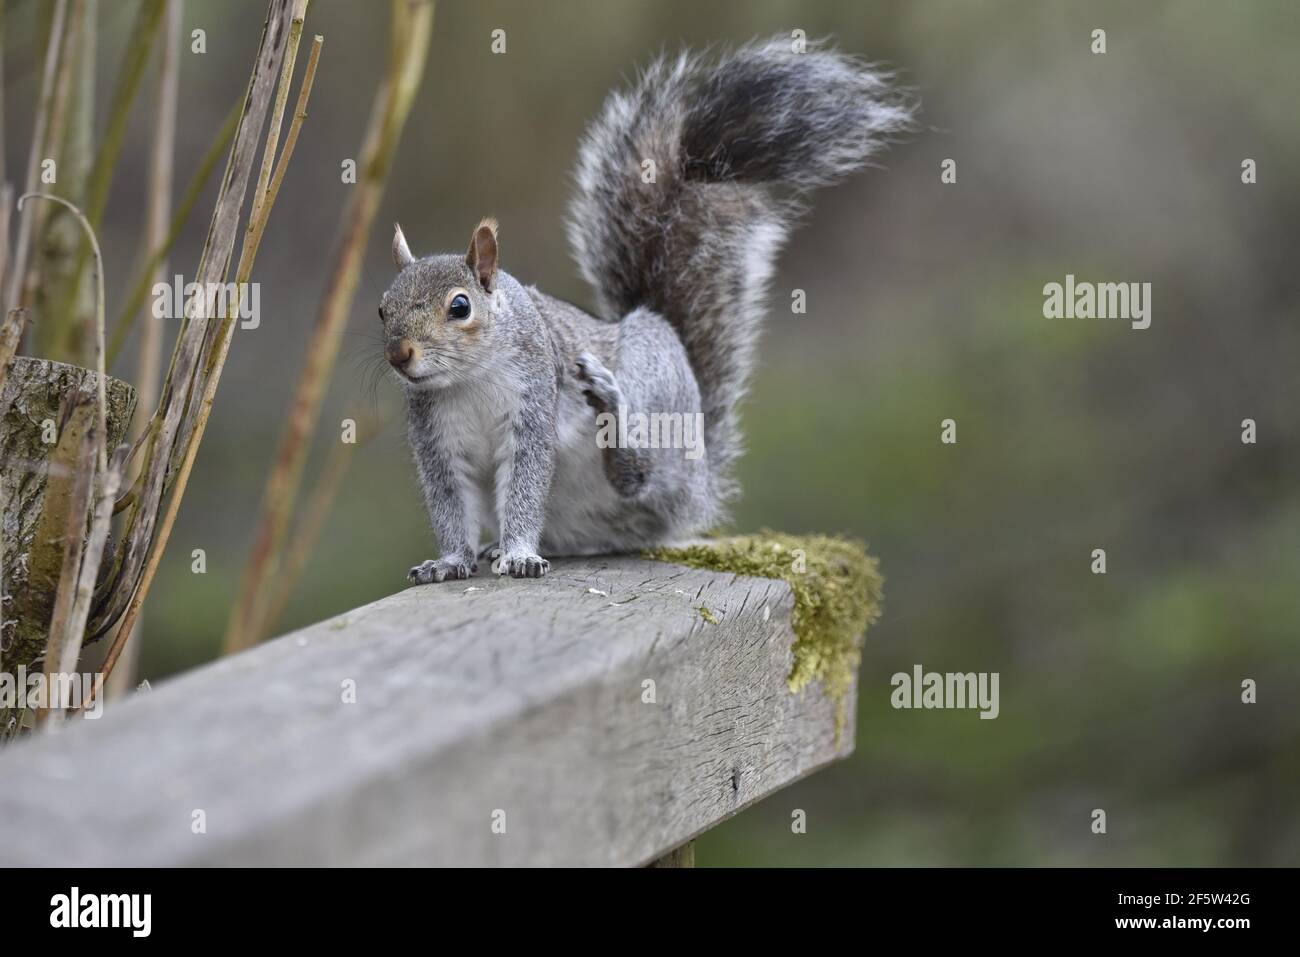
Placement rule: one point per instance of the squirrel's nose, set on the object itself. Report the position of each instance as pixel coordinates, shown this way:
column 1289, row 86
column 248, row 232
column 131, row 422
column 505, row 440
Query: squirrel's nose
column 401, row 352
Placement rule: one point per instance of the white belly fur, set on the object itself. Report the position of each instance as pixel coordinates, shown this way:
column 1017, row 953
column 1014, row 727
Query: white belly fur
column 581, row 500
column 478, row 424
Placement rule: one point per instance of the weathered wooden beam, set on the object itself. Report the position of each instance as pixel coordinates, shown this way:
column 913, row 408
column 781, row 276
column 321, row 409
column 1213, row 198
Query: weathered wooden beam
column 592, row 717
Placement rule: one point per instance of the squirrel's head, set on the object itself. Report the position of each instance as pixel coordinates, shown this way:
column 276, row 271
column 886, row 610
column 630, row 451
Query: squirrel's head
column 438, row 312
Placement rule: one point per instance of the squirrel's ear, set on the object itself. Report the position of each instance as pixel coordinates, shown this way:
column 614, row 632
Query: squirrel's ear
column 401, row 252
column 482, row 255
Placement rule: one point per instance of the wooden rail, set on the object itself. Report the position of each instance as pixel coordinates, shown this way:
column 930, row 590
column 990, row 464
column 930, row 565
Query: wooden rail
column 593, row 717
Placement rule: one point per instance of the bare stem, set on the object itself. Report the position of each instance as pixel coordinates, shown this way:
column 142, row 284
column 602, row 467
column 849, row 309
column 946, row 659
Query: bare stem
column 77, row 579
column 146, row 278
column 412, row 24
column 18, row 264
column 178, row 403
column 97, row 331
column 307, row 533
column 105, row 161
column 11, row 333
column 252, row 239
column 56, row 241
column 161, row 167
column 75, row 444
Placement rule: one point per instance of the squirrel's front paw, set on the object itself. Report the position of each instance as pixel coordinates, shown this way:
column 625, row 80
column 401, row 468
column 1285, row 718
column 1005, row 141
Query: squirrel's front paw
column 441, row 570
column 521, row 565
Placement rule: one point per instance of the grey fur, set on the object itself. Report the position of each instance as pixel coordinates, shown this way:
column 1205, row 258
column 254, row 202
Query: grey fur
column 504, row 406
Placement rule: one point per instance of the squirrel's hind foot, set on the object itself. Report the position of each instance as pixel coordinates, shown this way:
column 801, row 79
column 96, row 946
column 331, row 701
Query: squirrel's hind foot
column 599, row 387
column 626, row 469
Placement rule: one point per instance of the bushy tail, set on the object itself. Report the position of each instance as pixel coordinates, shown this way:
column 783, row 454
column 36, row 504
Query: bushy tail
column 688, row 185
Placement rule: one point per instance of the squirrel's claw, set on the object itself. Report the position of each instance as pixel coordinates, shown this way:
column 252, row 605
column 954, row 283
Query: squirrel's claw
column 440, row 570
column 521, row 566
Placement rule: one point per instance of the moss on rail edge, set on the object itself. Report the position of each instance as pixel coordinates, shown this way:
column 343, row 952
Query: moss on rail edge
column 837, row 589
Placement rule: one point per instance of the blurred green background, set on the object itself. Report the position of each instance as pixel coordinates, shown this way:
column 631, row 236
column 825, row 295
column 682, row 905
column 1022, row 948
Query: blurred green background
column 1118, row 691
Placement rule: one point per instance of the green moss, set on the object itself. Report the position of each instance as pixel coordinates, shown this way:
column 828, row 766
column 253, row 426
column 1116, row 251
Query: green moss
column 708, row 615
column 837, row 594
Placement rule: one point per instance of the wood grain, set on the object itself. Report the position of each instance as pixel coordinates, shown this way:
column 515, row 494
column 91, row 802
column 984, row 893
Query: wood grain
column 472, row 698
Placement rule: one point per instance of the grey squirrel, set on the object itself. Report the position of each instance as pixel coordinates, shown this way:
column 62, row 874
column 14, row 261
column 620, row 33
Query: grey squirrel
column 688, row 184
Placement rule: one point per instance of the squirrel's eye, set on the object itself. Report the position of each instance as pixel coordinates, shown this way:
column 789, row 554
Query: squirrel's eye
column 381, row 313
column 458, row 308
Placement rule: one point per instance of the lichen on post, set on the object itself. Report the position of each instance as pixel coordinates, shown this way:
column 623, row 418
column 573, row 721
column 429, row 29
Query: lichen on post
column 837, row 592
column 31, row 399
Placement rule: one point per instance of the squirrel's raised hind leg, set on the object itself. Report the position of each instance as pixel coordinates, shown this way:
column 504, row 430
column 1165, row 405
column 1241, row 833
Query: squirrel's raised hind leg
column 627, row 469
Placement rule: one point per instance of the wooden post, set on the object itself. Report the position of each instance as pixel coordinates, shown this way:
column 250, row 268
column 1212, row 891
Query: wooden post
column 683, row 856
column 31, row 398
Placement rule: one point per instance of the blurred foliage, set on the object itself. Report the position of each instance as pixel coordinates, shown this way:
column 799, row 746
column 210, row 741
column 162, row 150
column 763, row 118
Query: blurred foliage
column 1119, row 691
